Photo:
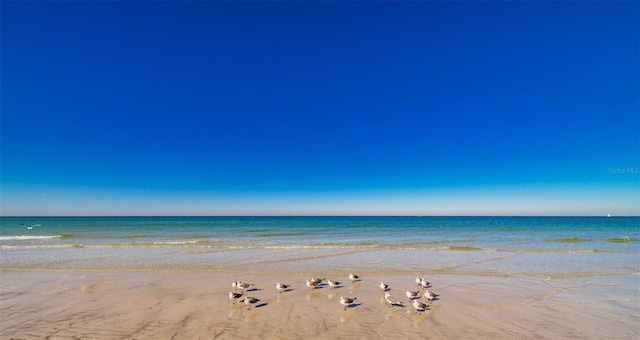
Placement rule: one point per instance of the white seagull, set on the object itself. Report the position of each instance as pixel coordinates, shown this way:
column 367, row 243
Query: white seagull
column 353, row 277
column 312, row 284
column 317, row 280
column 384, row 286
column 250, row 301
column 413, row 294
column 282, row 287
column 234, row 296
column 419, row 306
column 30, row 226
column 334, row 284
column 429, row 295
column 392, row 301
column 346, row 301
column 244, row 285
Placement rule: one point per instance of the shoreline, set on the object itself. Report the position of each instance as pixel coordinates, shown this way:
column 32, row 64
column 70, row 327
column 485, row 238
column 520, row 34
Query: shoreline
column 142, row 305
column 372, row 261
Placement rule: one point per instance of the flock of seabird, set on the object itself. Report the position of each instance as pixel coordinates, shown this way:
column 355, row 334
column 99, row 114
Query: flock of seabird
column 314, row 282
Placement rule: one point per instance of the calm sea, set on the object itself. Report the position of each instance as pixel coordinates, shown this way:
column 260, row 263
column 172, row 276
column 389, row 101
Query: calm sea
column 549, row 246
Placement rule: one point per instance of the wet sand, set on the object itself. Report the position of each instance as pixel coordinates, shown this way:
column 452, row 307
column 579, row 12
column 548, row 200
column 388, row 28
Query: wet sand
column 157, row 305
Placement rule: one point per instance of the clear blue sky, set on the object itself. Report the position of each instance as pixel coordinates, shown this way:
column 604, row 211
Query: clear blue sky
column 320, row 108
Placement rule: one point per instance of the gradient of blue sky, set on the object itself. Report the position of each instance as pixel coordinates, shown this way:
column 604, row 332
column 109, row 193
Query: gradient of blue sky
column 328, row 108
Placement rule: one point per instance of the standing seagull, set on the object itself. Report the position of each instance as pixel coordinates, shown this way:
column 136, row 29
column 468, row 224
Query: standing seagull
column 334, row 284
column 419, row 280
column 384, row 286
column 316, row 280
column 419, row 306
column 413, row 294
column 30, row 226
column 353, row 277
column 244, row 285
column 250, row 301
column 312, row 284
column 346, row 301
column 392, row 301
column 281, row 287
column 430, row 295
column 234, row 296
column 424, row 283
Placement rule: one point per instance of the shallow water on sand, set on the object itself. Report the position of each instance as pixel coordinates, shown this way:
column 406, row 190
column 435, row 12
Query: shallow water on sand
column 195, row 305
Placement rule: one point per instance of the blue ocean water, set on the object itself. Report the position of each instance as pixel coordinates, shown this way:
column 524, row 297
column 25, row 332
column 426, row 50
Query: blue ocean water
column 571, row 246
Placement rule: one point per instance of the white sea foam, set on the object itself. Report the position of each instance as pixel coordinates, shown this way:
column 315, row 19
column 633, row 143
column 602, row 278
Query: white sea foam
column 41, row 246
column 174, row 243
column 28, row 237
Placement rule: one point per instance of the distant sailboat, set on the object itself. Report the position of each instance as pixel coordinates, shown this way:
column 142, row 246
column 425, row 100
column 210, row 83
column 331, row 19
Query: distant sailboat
column 608, row 215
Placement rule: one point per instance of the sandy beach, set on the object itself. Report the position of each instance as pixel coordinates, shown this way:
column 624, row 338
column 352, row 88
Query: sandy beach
column 146, row 305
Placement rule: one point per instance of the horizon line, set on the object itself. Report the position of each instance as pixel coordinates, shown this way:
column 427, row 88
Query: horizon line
column 169, row 216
